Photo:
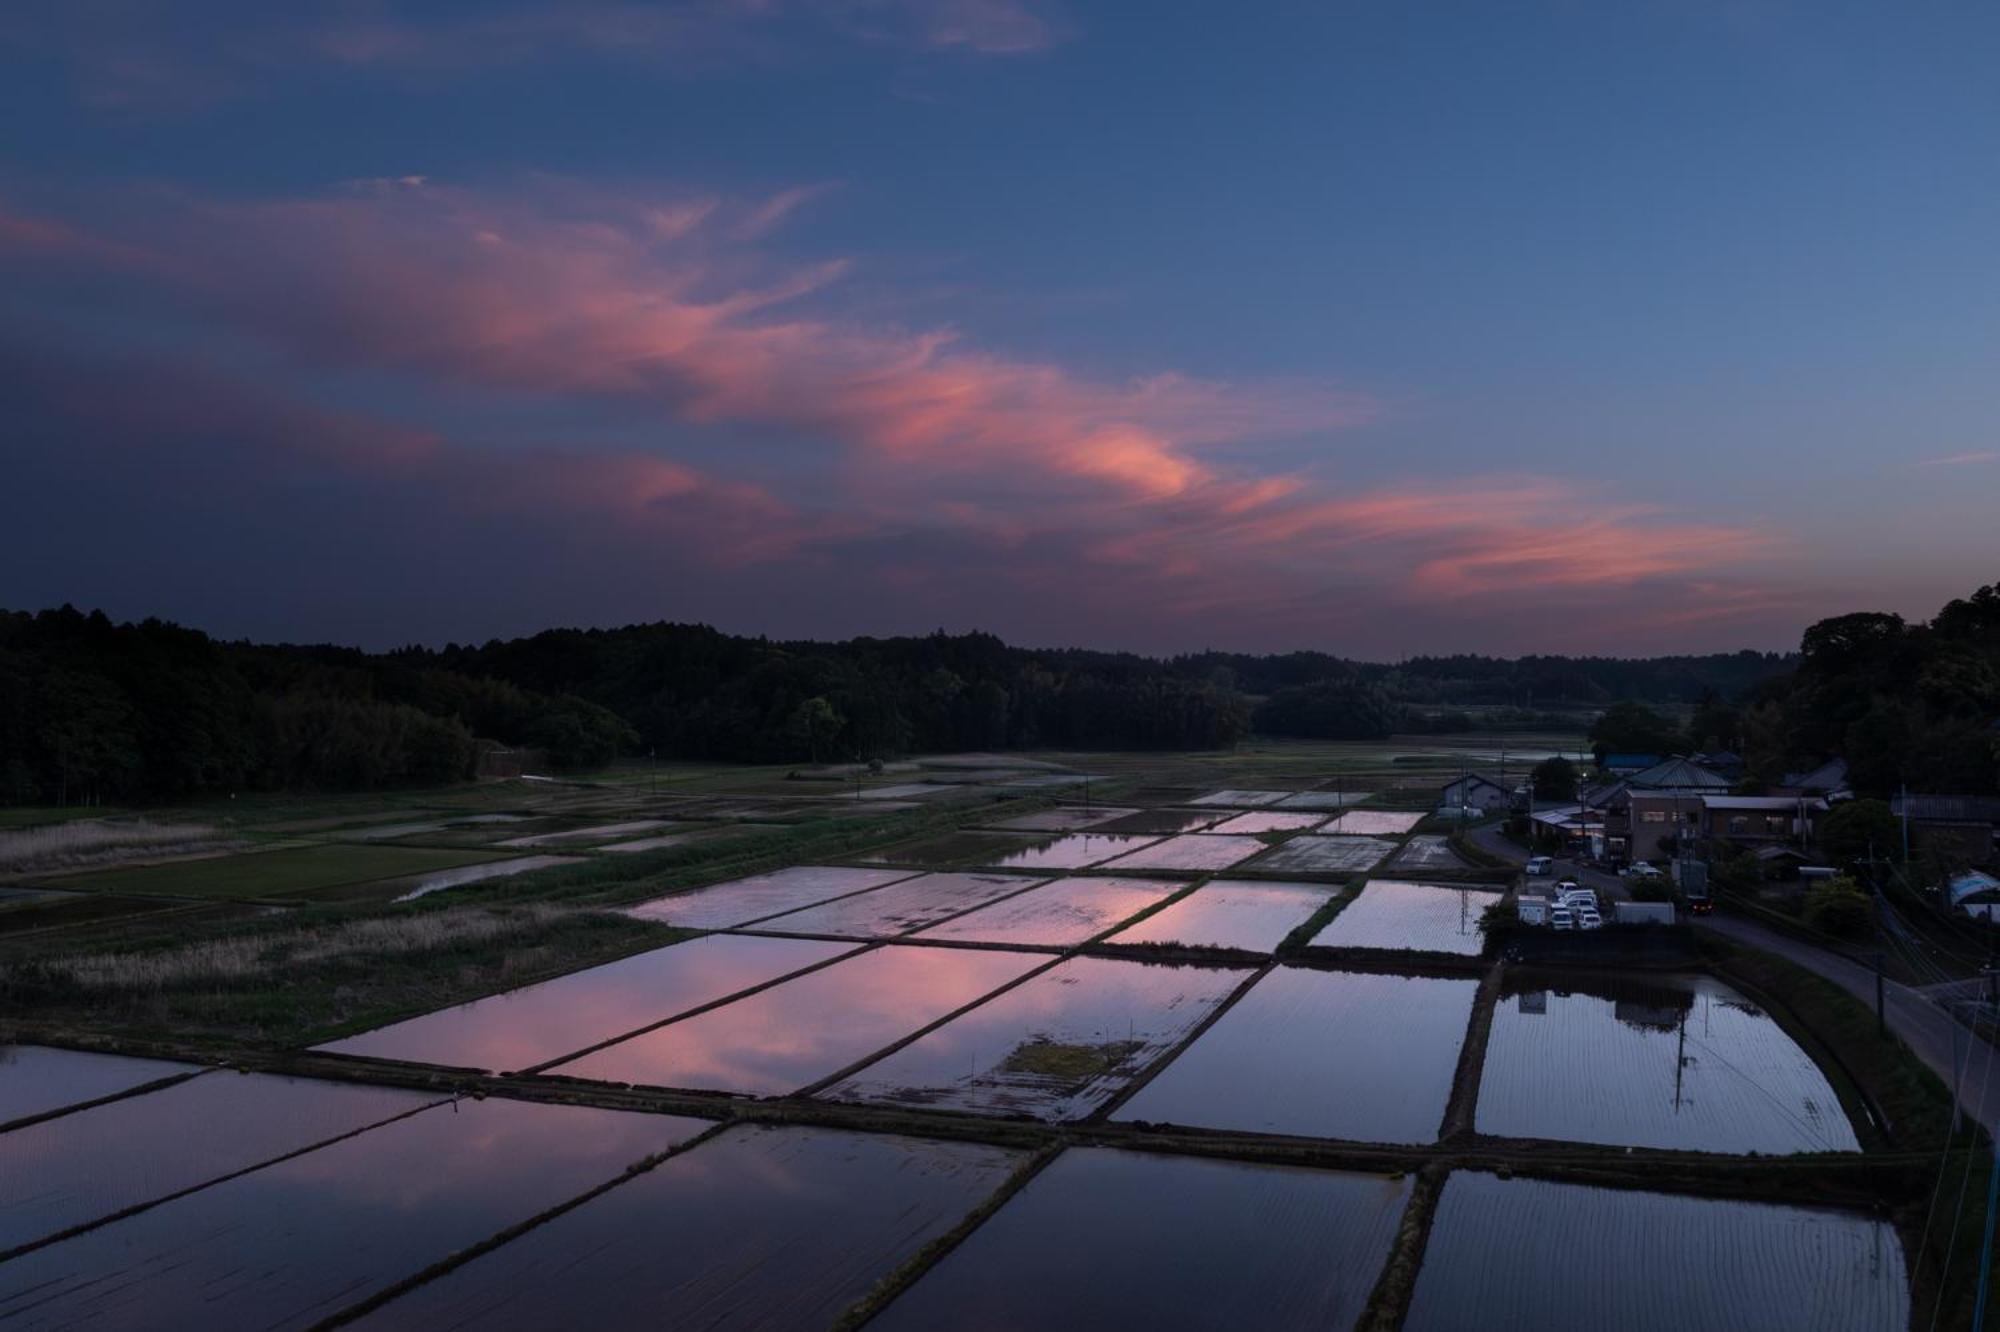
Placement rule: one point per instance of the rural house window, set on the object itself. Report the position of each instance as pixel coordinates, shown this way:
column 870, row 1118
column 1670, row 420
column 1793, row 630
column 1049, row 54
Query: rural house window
column 1653, row 816
column 1739, row 823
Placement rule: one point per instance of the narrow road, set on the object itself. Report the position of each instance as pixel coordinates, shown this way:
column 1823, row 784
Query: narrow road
column 1956, row 1055
column 1490, row 839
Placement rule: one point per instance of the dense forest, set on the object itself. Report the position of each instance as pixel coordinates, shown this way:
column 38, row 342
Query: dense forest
column 96, row 711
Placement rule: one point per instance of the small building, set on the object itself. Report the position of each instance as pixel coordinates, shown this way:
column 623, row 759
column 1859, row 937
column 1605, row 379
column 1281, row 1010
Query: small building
column 1758, row 818
column 1975, row 894
column 1965, row 829
column 1532, row 910
column 1476, row 791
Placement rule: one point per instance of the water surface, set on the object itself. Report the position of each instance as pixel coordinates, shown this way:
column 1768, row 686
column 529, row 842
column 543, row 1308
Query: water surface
column 79, row 1167
column 1192, row 851
column 295, row 1242
column 722, row 906
column 1055, row 1047
column 1111, row 1239
column 1657, row 1061
column 1058, row 915
column 1269, row 820
column 1507, row 1253
column 956, row 848
column 1428, row 851
column 1067, row 818
column 757, row 1228
column 1163, row 821
column 1233, row 799
column 1420, row 916
column 1322, row 1054
column 1076, row 851
column 1231, row 913
column 1311, row 853
column 1322, row 799
column 525, row 1027
column 35, row 1079
column 1375, row 822
column 902, row 907
column 793, row 1034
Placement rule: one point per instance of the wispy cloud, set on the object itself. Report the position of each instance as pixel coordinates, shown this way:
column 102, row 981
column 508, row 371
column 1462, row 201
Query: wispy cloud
column 130, row 55
column 915, row 464
column 1962, row 459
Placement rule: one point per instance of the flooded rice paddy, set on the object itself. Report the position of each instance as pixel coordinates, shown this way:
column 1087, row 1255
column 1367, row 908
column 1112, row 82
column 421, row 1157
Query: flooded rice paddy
column 1680, row 1062
column 647, row 843
column 1311, row 853
column 76, row 1168
column 900, row 908
column 1269, row 820
column 796, row 1033
column 1428, row 851
column 1234, row 799
column 1419, row 917
column 1064, row 819
column 958, row 848
column 1231, row 913
column 1192, row 851
column 721, row 906
column 287, row 1245
column 1105, row 1238
column 1163, row 821
column 756, row 1228
column 1322, row 799
column 523, row 1028
column 1324, row 1054
column 35, row 1079
column 1507, row 1253
column 1075, row 851
column 1060, row 914
column 1055, row 1047
column 1375, row 822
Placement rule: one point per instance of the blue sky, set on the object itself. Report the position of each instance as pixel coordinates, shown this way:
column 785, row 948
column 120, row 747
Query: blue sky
column 1374, row 328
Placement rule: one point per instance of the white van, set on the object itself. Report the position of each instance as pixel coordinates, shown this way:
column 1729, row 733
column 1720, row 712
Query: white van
column 1561, row 919
column 1540, row 865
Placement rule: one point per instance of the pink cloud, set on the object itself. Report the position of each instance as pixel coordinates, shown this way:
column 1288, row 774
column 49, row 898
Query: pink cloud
column 1006, row 472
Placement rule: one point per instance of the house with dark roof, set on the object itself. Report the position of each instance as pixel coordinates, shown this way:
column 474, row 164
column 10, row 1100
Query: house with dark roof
column 1476, row 791
column 1828, row 781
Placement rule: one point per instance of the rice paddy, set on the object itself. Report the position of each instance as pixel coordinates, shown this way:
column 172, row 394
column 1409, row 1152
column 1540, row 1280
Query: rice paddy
column 1248, row 915
column 758, row 1228
column 1513, row 1253
column 881, row 1047
column 793, row 1034
column 900, row 908
column 743, row 901
column 1119, row 1239
column 1680, row 1062
column 1312, row 853
column 1055, row 1047
column 1375, row 822
column 1193, row 851
column 1323, row 1054
column 1060, row 914
column 35, row 1080
column 526, row 1027
column 1411, row 917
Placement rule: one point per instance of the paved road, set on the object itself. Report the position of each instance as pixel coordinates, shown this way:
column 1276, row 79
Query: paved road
column 1953, row 1053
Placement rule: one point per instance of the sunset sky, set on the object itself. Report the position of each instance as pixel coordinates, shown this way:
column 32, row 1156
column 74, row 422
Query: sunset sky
column 1375, row 328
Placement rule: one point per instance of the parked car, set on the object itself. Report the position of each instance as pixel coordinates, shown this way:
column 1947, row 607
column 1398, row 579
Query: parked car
column 1540, row 865
column 1579, row 901
column 1589, row 920
column 1567, row 886
column 1561, row 919
column 1639, row 869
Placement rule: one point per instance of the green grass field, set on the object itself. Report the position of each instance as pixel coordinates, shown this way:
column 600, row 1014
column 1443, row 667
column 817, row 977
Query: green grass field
column 280, row 873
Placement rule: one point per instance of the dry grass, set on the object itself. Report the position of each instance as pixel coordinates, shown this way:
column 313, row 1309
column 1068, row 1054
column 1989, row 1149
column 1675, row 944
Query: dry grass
column 252, row 957
column 91, row 842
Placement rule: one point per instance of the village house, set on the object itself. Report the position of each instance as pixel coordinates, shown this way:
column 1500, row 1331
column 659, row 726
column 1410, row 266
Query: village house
column 1962, row 829
column 1475, row 791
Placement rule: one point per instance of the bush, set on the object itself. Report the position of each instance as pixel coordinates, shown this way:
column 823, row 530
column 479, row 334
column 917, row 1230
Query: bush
column 1838, row 907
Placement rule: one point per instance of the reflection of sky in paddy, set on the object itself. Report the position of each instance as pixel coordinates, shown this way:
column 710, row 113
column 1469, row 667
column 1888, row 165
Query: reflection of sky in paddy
column 756, row 1228
column 722, row 906
column 1226, row 913
column 35, row 1079
column 783, row 1038
column 525, row 1027
column 1130, row 1012
column 288, row 1245
column 1065, row 912
column 79, row 1167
